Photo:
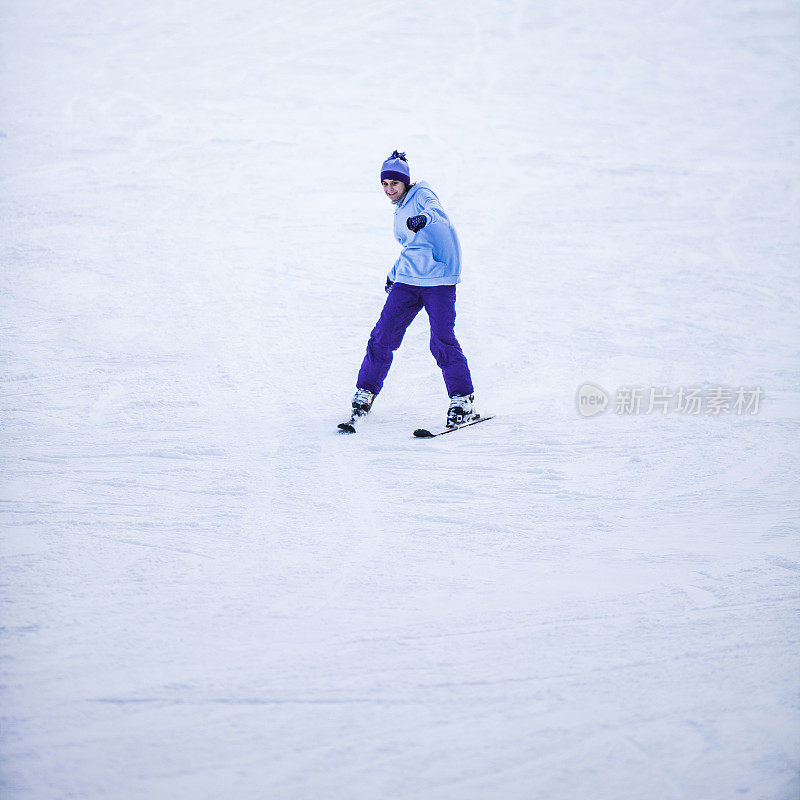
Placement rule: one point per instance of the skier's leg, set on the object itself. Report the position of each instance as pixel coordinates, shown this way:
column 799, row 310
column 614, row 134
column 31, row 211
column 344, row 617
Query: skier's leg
column 402, row 305
column 440, row 303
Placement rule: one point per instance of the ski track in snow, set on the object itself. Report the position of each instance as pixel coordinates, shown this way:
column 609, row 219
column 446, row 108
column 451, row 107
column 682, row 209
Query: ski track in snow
column 207, row 592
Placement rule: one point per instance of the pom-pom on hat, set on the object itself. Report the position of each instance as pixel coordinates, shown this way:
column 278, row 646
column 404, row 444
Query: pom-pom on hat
column 395, row 168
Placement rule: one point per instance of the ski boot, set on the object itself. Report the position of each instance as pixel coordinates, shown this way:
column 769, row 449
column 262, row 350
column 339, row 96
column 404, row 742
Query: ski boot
column 461, row 410
column 362, row 402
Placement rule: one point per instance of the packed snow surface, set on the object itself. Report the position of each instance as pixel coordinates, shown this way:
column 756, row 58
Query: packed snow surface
column 208, row 593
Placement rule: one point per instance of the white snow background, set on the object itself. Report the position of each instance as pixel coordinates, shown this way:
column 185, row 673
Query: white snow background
column 207, row 592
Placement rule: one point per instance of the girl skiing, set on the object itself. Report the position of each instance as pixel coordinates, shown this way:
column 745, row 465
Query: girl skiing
column 424, row 276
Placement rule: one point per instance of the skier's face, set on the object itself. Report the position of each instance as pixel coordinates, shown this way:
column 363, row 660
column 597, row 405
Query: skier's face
column 394, row 190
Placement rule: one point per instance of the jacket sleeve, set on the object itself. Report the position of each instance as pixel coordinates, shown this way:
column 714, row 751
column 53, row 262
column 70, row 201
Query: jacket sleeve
column 432, row 209
column 393, row 271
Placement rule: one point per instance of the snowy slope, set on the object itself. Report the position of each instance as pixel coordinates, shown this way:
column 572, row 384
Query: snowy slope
column 207, row 593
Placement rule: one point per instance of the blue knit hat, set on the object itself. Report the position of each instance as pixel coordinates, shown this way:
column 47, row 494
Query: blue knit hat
column 395, row 168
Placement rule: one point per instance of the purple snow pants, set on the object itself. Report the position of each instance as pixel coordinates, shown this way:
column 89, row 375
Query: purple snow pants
column 402, row 305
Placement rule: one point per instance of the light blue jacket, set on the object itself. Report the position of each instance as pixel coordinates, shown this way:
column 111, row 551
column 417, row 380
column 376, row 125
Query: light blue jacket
column 431, row 256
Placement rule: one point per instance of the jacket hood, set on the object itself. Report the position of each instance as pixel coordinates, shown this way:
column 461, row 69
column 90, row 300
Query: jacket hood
column 412, row 191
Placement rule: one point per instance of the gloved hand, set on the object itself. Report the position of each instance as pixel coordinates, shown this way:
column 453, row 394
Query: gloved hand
column 389, row 284
column 417, row 223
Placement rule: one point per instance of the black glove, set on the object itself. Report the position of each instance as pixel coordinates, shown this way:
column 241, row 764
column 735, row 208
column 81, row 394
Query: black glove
column 389, row 284
column 417, row 223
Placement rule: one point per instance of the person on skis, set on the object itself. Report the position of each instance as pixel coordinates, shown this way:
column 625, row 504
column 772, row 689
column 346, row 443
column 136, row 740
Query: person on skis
column 424, row 276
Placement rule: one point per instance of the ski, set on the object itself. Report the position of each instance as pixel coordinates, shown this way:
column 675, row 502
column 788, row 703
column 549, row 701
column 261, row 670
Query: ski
column 349, row 426
column 421, row 433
